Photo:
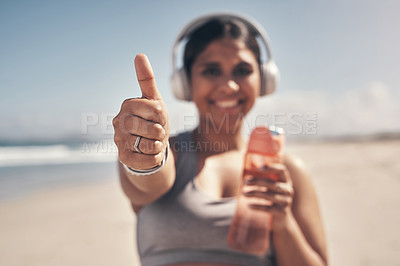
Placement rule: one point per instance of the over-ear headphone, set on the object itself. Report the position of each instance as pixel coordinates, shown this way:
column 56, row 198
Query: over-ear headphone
column 269, row 71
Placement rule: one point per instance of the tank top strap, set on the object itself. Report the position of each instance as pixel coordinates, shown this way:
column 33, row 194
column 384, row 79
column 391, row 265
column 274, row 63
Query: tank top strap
column 186, row 165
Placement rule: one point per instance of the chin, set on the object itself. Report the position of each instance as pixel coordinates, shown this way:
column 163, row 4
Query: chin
column 224, row 123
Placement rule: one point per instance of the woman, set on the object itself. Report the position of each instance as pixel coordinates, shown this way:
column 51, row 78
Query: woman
column 183, row 188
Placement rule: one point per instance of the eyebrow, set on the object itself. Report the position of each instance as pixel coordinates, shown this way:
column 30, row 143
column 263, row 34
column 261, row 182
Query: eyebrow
column 216, row 64
column 209, row 64
column 243, row 64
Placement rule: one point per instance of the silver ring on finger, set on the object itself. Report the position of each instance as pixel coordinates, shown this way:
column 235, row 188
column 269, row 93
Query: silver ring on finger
column 136, row 146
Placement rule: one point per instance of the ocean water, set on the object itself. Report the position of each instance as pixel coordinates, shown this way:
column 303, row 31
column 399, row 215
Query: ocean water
column 27, row 169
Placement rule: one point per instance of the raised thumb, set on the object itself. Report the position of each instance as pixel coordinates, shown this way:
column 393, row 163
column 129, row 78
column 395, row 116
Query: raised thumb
column 145, row 76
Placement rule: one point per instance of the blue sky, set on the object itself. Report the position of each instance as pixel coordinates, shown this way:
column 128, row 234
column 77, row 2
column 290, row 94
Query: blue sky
column 64, row 61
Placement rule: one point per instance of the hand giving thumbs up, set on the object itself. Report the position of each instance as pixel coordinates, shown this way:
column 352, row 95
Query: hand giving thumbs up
column 142, row 127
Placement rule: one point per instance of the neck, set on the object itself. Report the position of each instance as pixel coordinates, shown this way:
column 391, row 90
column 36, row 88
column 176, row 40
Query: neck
column 213, row 140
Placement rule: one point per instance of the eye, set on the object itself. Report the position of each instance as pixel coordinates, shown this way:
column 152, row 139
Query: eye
column 211, row 72
column 242, row 71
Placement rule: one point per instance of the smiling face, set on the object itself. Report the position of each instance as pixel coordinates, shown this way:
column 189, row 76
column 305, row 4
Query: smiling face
column 225, row 82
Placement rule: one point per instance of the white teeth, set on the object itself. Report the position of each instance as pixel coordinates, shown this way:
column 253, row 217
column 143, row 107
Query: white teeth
column 226, row 103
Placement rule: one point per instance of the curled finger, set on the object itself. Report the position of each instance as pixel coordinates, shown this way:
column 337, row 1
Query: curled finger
column 139, row 126
column 274, row 172
column 146, row 146
column 285, row 188
column 268, row 208
column 278, row 199
column 149, row 110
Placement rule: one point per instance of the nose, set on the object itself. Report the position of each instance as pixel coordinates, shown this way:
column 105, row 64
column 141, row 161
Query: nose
column 229, row 86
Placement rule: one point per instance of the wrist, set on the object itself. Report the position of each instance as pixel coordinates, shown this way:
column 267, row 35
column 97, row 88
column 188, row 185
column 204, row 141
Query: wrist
column 145, row 172
column 283, row 222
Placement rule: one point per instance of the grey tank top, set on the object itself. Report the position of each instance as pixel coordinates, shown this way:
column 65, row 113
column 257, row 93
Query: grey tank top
column 186, row 225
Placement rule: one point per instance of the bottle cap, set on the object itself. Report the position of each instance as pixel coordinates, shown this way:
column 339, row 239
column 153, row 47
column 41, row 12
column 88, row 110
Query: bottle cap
column 268, row 141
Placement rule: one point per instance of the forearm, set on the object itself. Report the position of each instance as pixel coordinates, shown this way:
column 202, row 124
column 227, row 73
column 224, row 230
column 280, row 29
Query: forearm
column 292, row 248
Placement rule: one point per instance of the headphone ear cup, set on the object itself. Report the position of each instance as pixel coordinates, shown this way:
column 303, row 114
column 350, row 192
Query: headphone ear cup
column 269, row 78
column 180, row 85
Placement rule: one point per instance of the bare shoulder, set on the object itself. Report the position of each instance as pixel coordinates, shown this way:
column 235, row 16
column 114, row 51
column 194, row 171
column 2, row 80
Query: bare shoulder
column 301, row 178
column 293, row 162
column 298, row 170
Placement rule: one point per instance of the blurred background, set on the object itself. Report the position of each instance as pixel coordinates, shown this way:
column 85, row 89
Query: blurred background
column 66, row 67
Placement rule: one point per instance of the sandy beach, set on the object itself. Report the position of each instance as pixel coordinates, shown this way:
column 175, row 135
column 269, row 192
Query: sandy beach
column 91, row 223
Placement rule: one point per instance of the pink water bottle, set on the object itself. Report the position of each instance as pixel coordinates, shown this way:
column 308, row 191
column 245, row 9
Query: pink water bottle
column 250, row 228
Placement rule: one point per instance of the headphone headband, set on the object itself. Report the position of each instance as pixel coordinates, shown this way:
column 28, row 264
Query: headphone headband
column 178, row 80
